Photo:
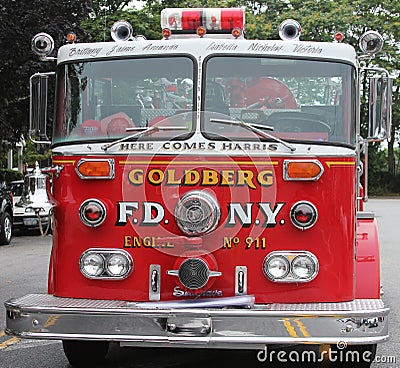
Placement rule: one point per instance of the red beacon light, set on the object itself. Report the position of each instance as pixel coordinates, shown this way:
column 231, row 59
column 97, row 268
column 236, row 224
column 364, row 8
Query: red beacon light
column 71, row 37
column 166, row 32
column 212, row 20
column 201, row 31
column 339, row 36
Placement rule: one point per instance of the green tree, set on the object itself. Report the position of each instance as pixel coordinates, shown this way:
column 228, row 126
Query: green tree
column 19, row 22
column 319, row 21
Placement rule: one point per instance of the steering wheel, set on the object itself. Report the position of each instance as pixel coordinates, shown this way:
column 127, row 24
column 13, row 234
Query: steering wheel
column 296, row 121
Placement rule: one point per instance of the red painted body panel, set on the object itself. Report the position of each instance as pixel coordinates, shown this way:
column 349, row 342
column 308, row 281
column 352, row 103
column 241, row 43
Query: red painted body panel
column 367, row 259
column 331, row 240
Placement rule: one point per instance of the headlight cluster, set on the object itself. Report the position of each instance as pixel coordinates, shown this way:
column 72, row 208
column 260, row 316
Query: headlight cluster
column 290, row 266
column 106, row 264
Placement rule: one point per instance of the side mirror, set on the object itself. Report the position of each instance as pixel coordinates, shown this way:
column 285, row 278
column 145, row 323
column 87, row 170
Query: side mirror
column 38, row 108
column 380, row 108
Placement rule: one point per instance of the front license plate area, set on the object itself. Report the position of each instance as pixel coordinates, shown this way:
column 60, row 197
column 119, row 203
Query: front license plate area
column 30, row 221
column 187, row 326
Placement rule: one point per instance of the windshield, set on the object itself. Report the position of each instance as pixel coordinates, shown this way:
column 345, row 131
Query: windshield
column 106, row 100
column 298, row 100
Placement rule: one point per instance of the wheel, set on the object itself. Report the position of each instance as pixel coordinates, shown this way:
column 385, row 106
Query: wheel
column 85, row 353
column 5, row 229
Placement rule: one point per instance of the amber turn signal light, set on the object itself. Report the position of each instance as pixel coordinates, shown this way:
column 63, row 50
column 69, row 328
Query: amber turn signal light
column 302, row 170
column 95, row 169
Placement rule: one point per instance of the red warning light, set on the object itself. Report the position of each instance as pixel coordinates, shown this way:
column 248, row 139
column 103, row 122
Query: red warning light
column 339, row 36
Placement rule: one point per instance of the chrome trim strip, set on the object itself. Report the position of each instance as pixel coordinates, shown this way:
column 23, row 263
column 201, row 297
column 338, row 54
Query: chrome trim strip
column 359, row 321
column 155, row 282
column 286, row 175
column 240, row 280
column 110, row 162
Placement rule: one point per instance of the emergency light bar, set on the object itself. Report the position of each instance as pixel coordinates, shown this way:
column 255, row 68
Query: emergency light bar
column 212, row 20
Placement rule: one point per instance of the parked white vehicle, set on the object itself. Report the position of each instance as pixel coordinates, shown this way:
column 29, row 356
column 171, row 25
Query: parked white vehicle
column 33, row 210
column 17, row 188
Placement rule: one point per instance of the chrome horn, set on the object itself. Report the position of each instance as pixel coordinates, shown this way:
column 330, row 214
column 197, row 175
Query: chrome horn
column 121, row 31
column 290, row 29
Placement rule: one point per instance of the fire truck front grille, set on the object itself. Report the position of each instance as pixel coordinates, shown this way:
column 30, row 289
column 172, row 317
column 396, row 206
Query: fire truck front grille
column 193, row 273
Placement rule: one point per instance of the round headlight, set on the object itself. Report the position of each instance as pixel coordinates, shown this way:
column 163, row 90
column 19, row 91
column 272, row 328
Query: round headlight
column 92, row 212
column 304, row 267
column 276, row 267
column 92, row 264
column 371, row 42
column 118, row 265
column 303, row 215
column 197, row 213
column 42, row 44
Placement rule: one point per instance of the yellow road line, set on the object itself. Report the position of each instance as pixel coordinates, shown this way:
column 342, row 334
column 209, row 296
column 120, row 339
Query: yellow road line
column 289, row 328
column 302, row 328
column 11, row 341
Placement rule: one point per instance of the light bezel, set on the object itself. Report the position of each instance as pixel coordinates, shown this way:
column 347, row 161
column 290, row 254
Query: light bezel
column 127, row 268
column 42, row 54
column 299, row 225
column 109, row 161
column 286, row 164
column 377, row 36
column 106, row 253
column 291, row 256
column 285, row 25
column 82, row 267
column 84, row 219
column 210, row 201
column 309, row 278
column 268, row 260
column 116, row 26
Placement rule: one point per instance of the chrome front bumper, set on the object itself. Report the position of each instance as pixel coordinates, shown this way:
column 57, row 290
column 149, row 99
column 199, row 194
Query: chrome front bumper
column 362, row 321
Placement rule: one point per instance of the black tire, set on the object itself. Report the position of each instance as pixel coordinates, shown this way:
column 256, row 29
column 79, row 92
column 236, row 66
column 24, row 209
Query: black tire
column 85, row 353
column 5, row 229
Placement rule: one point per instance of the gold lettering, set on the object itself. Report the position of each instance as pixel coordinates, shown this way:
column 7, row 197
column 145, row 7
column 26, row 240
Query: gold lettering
column 171, row 177
column 136, row 176
column 227, row 177
column 147, row 242
column 155, row 176
column 191, row 177
column 227, row 242
column 136, row 242
column 265, row 178
column 245, row 176
column 210, row 177
column 127, row 241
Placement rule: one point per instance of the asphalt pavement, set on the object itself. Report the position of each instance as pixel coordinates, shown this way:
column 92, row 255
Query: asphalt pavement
column 23, row 269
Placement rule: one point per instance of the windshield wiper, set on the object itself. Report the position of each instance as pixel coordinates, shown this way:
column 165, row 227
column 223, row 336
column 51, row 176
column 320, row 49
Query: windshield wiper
column 142, row 131
column 256, row 128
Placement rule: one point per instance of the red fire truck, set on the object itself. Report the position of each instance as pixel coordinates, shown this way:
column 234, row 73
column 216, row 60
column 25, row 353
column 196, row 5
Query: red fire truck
column 208, row 190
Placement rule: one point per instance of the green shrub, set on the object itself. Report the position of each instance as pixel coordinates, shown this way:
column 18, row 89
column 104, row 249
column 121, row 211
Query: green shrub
column 8, row 175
